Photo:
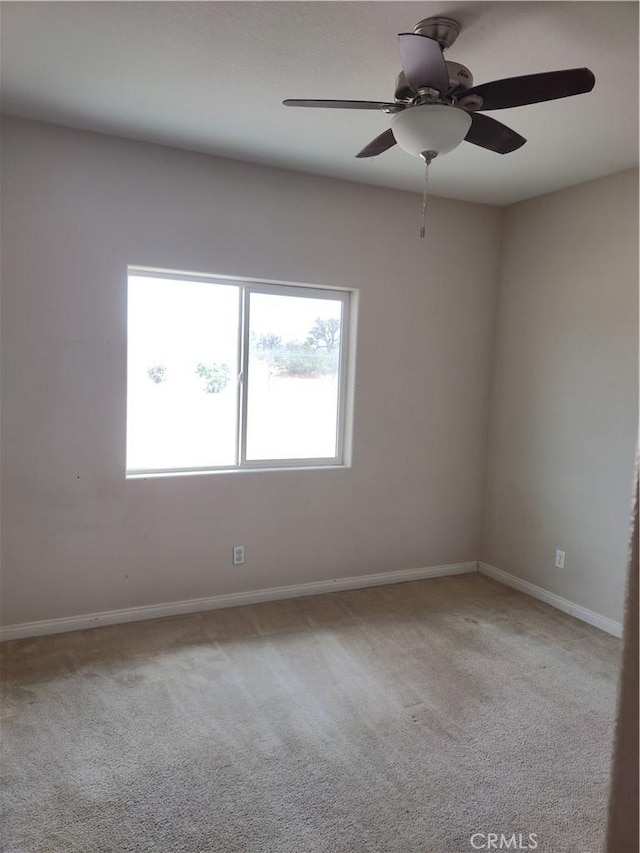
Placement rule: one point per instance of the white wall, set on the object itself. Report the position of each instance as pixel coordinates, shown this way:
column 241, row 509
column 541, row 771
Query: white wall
column 78, row 537
column 564, row 414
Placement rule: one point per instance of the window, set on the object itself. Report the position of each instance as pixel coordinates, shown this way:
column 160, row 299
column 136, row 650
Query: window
column 226, row 374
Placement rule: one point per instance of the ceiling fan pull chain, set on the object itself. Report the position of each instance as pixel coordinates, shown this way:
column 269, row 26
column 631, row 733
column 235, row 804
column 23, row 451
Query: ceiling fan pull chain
column 427, row 156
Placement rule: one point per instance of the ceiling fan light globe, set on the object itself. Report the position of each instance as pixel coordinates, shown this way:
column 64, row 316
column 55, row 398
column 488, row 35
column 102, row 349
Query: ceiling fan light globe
column 430, row 127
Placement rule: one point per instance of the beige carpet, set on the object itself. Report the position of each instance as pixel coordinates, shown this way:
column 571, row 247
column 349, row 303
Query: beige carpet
column 399, row 719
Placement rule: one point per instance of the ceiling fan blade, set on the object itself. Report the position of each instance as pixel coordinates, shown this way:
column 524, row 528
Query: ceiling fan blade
column 423, row 63
column 381, row 143
column 489, row 133
column 533, row 88
column 347, row 105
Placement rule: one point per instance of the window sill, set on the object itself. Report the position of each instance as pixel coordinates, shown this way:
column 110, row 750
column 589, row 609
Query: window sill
column 154, row 475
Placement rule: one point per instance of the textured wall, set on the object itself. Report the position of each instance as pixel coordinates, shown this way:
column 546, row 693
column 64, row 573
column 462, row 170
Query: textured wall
column 564, row 412
column 77, row 536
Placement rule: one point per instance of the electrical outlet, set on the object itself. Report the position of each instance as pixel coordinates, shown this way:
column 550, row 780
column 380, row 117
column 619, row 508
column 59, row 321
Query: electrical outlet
column 560, row 556
column 238, row 555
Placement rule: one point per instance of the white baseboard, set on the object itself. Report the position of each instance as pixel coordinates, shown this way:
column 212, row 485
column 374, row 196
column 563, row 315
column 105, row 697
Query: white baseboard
column 216, row 602
column 551, row 598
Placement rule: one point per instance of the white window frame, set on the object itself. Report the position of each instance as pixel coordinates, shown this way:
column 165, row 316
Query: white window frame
column 346, row 365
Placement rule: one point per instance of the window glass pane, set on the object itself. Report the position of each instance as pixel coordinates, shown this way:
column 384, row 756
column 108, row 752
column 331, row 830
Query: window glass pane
column 182, row 408
column 293, row 381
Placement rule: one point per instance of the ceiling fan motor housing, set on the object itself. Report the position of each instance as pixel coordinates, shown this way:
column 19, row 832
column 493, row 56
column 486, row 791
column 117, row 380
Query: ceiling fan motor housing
column 460, row 77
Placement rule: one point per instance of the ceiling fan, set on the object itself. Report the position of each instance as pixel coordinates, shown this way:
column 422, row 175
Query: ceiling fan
column 436, row 105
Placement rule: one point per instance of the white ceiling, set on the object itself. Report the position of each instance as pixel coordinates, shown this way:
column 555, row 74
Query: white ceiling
column 211, row 77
